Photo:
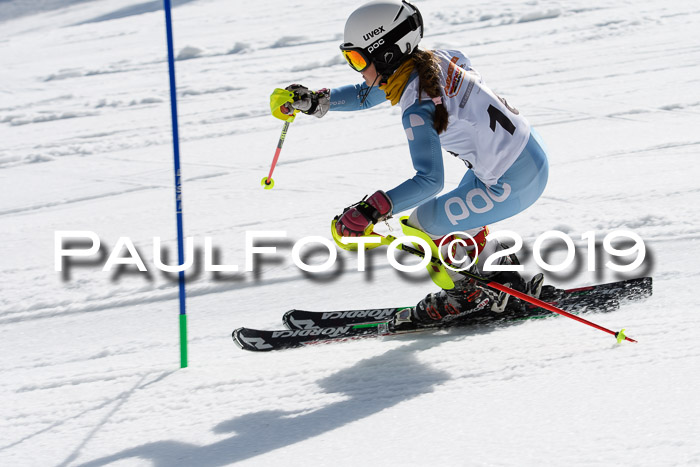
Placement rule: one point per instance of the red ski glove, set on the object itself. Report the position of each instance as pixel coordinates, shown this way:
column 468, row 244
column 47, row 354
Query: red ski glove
column 355, row 220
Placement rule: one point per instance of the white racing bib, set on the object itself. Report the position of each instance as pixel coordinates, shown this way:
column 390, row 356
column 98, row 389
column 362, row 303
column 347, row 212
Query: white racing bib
column 483, row 129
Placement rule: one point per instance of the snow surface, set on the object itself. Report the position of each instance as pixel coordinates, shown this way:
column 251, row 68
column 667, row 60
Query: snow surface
column 89, row 359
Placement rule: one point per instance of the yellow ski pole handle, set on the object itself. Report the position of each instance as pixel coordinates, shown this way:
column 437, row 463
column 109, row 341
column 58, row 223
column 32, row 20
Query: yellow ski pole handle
column 278, row 98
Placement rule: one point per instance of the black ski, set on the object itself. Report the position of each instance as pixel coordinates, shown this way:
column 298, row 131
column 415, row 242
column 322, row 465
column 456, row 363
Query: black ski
column 603, row 297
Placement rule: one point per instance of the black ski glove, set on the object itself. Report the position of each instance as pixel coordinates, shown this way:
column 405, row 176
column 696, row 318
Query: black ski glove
column 310, row 102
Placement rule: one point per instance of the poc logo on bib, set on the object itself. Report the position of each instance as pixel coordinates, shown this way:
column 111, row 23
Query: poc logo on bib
column 477, row 201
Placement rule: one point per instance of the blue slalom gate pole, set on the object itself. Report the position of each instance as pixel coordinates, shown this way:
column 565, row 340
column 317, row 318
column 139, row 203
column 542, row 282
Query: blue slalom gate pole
column 178, row 185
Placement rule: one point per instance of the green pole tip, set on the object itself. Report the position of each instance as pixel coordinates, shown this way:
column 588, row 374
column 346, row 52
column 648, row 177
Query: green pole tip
column 620, row 336
column 183, row 340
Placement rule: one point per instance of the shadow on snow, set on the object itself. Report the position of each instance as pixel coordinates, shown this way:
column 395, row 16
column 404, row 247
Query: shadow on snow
column 371, row 385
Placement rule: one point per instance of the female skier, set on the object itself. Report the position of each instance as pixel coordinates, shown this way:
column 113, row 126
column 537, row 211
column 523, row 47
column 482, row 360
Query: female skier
column 445, row 104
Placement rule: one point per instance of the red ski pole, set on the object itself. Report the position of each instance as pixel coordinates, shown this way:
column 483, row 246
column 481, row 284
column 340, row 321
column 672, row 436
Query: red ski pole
column 536, row 301
column 268, row 182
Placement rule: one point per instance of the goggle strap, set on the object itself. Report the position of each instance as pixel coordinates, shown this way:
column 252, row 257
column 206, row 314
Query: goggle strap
column 406, row 26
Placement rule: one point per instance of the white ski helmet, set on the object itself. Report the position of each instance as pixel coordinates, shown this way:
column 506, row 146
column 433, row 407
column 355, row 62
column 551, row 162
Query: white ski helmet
column 383, row 32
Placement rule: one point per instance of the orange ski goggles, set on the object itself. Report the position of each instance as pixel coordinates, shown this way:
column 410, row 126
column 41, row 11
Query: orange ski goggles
column 355, row 57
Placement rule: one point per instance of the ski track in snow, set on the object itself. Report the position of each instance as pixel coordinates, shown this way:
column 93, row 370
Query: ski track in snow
column 89, row 358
